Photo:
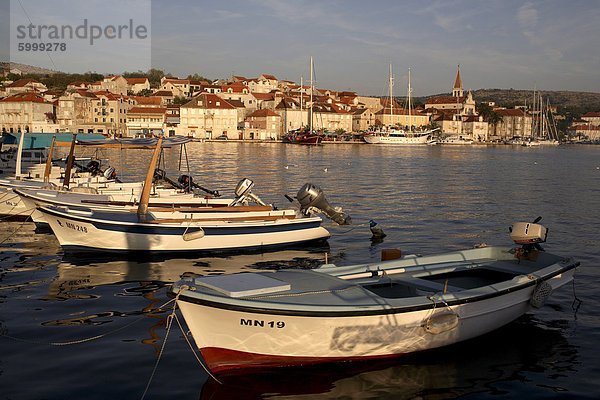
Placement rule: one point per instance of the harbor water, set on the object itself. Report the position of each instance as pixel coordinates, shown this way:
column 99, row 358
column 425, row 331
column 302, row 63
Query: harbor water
column 89, row 327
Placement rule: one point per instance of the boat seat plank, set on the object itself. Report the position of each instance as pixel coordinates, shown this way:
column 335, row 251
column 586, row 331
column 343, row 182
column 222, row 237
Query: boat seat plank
column 426, row 285
column 508, row 267
column 238, row 219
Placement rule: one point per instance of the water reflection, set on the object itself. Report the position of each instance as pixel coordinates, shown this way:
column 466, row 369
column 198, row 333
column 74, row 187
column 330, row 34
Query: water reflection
column 80, row 274
column 483, row 365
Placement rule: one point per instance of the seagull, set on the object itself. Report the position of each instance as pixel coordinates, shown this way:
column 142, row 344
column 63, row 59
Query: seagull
column 376, row 230
column 324, row 169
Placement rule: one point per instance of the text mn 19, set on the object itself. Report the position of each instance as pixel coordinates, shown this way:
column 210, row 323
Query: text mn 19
column 256, row 322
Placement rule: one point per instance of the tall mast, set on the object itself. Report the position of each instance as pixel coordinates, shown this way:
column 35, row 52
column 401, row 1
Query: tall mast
column 391, row 98
column 311, row 95
column 301, row 109
column 409, row 105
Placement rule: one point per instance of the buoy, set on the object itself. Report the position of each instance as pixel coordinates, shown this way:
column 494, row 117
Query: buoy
column 187, row 236
column 441, row 323
column 376, row 230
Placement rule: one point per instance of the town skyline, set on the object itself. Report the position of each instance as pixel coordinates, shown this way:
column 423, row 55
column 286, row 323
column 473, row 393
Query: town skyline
column 505, row 45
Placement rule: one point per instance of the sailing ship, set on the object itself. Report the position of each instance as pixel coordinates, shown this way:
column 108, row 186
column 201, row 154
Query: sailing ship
column 543, row 124
column 391, row 135
column 305, row 136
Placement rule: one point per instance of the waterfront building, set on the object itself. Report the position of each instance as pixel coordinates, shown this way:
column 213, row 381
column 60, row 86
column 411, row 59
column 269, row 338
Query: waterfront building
column 146, row 121
column 587, row 131
column 514, row 123
column 27, row 112
column 208, row 116
column 397, row 116
column 262, row 125
column 110, row 112
column 74, row 111
column 362, row 119
column 592, row 117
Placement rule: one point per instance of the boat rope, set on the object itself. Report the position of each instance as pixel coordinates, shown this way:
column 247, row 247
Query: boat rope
column 576, row 300
column 162, row 349
column 170, row 318
column 73, row 341
column 79, row 341
column 15, row 230
column 433, row 298
column 195, row 354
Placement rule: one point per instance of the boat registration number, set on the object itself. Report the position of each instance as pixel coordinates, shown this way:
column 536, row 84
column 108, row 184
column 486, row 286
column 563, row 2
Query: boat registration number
column 70, row 225
column 261, row 323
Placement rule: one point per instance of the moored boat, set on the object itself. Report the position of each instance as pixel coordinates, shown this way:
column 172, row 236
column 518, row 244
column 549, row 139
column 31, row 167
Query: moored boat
column 201, row 229
column 368, row 311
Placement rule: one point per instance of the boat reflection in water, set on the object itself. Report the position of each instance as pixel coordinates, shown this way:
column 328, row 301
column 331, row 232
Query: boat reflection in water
column 465, row 368
column 77, row 273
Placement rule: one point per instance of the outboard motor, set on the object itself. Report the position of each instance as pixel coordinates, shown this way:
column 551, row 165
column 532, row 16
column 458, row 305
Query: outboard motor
column 312, row 198
column 529, row 235
column 186, row 182
column 110, row 173
column 93, row 167
column 243, row 192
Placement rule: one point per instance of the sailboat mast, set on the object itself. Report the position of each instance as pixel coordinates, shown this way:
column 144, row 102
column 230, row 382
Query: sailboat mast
column 409, row 105
column 311, row 94
column 533, row 125
column 391, row 97
column 301, row 108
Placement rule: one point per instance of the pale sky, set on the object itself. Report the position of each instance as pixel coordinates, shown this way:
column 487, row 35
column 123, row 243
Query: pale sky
column 552, row 44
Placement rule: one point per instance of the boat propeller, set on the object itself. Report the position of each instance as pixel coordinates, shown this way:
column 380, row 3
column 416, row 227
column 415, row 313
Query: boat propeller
column 312, row 199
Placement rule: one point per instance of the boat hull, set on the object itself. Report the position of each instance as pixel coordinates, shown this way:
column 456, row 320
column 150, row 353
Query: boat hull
column 397, row 140
column 286, row 329
column 303, row 139
column 77, row 231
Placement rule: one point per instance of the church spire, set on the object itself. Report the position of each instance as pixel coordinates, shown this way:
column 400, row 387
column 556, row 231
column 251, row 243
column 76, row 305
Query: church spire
column 457, row 91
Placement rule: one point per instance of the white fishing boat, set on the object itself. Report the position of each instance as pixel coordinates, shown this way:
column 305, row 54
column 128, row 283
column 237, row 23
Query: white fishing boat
column 44, row 184
column 199, row 230
column 44, row 174
column 392, row 135
column 454, row 140
column 368, row 311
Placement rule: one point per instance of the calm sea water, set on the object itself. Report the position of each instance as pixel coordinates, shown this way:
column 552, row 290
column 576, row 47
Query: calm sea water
column 427, row 200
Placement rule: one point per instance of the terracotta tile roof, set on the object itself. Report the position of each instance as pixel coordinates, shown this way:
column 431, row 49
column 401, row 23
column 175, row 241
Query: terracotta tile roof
column 510, row 112
column 25, row 98
column 22, row 83
column 152, row 100
column 271, row 77
column 163, row 93
column 592, row 114
column 236, row 87
column 263, row 96
column 236, row 103
column 136, row 81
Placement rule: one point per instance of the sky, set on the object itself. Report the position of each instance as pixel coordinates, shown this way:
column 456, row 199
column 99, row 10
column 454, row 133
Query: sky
column 551, row 44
